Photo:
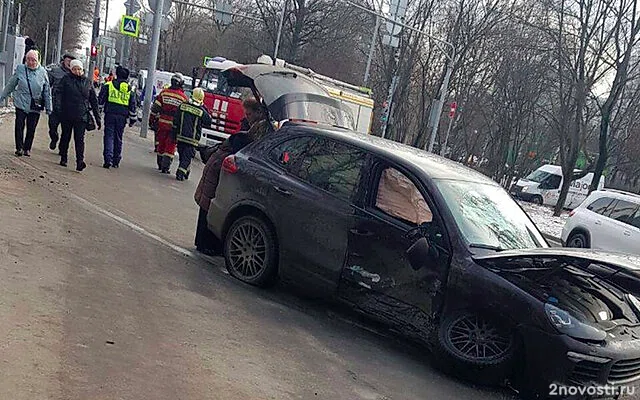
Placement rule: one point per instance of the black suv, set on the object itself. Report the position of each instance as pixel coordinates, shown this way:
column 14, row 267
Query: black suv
column 437, row 250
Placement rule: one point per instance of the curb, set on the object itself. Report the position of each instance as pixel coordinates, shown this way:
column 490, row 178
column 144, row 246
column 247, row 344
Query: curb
column 553, row 240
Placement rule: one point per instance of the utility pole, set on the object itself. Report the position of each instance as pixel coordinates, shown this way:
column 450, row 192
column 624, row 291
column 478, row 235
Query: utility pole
column 106, row 19
column 60, row 31
column 19, row 19
column 126, row 43
column 282, row 15
column 94, row 35
column 46, row 45
column 439, row 104
column 450, row 55
column 8, row 9
column 153, row 57
column 372, row 50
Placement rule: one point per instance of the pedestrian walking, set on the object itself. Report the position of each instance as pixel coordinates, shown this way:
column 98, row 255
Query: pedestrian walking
column 77, row 99
column 163, row 110
column 187, row 130
column 55, row 79
column 29, row 45
column 119, row 103
column 206, row 242
column 31, row 94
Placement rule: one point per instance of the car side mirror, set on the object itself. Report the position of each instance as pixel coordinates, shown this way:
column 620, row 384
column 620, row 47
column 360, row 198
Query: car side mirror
column 419, row 253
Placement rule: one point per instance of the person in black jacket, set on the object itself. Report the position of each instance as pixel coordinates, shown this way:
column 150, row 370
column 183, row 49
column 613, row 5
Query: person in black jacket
column 187, row 130
column 55, row 78
column 119, row 102
column 76, row 99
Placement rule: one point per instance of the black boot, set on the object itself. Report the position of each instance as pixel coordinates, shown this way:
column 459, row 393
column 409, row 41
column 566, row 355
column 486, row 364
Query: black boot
column 80, row 166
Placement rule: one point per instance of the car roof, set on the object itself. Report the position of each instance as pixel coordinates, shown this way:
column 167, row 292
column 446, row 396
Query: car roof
column 434, row 166
column 617, row 194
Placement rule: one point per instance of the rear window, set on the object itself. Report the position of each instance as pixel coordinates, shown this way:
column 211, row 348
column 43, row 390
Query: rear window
column 600, row 205
column 623, row 211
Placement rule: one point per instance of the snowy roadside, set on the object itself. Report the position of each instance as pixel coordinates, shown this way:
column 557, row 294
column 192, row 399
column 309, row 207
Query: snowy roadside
column 543, row 217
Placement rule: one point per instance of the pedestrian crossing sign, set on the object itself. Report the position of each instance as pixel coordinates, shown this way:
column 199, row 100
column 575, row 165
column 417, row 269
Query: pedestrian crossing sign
column 130, row 26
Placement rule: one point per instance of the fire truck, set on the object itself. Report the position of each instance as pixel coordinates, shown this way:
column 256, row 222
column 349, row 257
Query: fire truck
column 223, row 103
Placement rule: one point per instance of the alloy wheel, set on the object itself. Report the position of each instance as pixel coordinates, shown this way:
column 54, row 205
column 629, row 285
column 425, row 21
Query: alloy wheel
column 248, row 250
column 475, row 339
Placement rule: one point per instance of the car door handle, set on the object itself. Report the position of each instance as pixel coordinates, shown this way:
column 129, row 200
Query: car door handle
column 627, row 233
column 598, row 222
column 359, row 232
column 282, row 191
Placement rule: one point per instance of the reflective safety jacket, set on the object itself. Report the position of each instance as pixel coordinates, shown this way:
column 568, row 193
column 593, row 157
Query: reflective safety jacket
column 117, row 98
column 165, row 107
column 188, row 122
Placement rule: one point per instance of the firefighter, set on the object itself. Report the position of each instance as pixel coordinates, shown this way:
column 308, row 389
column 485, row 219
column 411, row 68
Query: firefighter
column 163, row 109
column 187, row 130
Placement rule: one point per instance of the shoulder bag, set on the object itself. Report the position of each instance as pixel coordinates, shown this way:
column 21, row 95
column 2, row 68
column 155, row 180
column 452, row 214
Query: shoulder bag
column 36, row 104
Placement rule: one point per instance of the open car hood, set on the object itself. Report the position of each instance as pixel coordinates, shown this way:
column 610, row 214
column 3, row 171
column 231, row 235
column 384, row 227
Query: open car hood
column 621, row 270
column 596, row 287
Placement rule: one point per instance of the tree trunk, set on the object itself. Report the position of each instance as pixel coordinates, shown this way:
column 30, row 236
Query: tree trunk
column 603, row 154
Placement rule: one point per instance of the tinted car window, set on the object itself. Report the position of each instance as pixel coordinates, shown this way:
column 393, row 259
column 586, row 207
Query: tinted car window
column 332, row 166
column 623, row 211
column 600, row 206
column 399, row 197
column 289, row 154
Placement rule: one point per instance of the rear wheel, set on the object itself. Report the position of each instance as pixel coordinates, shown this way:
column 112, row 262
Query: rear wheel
column 250, row 251
column 475, row 347
column 578, row 240
column 537, row 200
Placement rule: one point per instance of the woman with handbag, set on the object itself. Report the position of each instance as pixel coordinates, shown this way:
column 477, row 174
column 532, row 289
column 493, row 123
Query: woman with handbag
column 77, row 100
column 31, row 95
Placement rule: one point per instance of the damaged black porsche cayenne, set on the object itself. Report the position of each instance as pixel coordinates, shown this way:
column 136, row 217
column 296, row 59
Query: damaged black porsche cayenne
column 434, row 249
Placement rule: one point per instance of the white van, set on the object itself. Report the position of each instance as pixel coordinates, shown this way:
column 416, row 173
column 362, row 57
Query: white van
column 542, row 186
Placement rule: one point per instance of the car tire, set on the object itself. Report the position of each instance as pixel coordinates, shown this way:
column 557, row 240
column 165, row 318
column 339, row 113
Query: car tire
column 578, row 240
column 475, row 347
column 537, row 200
column 250, row 251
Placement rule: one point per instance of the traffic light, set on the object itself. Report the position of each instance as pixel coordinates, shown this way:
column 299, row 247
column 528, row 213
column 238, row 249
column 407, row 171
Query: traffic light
column 94, row 50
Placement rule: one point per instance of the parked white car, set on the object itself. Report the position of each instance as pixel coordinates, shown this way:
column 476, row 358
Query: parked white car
column 607, row 220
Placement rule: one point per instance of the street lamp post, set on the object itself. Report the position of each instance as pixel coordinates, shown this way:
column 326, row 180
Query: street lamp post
column 279, row 35
column 451, row 56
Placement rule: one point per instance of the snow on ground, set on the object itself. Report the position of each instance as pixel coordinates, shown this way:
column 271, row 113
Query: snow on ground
column 543, row 217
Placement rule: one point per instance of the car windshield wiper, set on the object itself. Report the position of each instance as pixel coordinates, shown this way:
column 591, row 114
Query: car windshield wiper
column 486, row 246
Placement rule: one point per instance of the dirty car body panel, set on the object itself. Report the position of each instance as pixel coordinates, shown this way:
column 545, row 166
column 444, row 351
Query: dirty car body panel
column 332, row 198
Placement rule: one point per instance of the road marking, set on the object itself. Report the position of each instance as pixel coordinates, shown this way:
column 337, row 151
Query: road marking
column 132, row 225
column 88, row 204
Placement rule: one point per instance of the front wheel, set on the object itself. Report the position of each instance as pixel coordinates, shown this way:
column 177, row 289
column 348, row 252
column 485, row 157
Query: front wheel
column 578, row 240
column 538, row 200
column 250, row 251
column 475, row 347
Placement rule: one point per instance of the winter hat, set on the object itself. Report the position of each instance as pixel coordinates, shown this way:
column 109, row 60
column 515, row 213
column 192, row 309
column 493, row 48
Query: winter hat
column 77, row 63
column 122, row 72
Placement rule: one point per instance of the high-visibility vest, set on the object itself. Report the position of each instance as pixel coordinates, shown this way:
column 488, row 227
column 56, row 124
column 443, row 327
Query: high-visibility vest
column 118, row 96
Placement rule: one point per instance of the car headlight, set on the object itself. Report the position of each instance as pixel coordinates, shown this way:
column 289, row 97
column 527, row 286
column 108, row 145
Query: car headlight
column 571, row 326
column 525, row 188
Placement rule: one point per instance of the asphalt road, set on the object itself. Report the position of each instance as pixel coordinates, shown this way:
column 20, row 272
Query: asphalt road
column 103, row 298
